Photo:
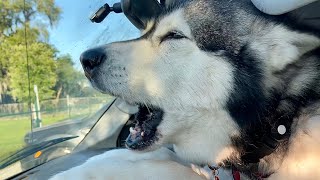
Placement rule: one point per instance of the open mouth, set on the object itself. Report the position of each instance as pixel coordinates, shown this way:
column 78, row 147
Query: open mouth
column 144, row 134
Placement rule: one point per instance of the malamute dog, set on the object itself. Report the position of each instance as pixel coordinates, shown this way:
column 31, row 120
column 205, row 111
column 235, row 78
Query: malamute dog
column 227, row 85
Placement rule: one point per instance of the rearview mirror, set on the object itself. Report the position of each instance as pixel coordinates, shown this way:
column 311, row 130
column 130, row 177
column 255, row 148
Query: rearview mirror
column 139, row 12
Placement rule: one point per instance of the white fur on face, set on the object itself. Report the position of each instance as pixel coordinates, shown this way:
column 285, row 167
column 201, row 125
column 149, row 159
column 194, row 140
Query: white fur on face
column 174, row 73
column 150, row 25
column 190, row 85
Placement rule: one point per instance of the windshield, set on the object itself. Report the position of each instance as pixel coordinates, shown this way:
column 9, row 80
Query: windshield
column 44, row 95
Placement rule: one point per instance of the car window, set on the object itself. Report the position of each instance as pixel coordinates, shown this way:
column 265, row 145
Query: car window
column 44, row 94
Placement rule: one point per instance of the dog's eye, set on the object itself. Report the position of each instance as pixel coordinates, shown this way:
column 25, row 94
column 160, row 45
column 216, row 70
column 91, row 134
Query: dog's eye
column 172, row 35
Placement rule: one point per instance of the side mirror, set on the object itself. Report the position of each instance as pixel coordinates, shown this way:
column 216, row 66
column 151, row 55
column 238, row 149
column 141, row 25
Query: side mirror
column 104, row 11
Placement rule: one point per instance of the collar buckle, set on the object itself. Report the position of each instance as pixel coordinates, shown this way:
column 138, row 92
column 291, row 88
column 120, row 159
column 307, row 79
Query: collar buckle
column 214, row 171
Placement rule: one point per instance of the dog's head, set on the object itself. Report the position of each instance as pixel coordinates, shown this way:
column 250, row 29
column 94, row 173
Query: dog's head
column 188, row 74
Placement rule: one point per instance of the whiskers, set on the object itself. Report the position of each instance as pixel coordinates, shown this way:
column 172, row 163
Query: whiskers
column 147, row 107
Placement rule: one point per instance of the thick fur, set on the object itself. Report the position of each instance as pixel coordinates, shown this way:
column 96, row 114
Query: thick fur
column 129, row 165
column 235, row 76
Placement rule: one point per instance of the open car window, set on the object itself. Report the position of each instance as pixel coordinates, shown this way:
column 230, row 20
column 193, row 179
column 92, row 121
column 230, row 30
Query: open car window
column 44, row 95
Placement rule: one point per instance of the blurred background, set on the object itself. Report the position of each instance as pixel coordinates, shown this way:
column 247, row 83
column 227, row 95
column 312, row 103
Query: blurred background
column 42, row 85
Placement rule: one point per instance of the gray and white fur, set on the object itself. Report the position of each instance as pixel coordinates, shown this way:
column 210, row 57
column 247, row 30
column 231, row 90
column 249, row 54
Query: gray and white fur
column 225, row 76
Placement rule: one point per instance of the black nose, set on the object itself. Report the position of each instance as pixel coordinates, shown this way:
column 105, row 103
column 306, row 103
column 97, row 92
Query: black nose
column 92, row 58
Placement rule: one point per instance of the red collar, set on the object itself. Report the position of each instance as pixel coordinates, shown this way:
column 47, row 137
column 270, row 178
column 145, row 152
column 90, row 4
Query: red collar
column 236, row 174
column 258, row 176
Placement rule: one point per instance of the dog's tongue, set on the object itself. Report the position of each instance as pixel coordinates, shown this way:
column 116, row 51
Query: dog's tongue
column 133, row 142
column 135, row 138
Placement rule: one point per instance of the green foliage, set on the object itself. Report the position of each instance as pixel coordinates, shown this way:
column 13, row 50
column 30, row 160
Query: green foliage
column 53, row 76
column 42, row 66
column 68, row 78
column 48, row 8
column 71, row 81
column 12, row 46
column 14, row 13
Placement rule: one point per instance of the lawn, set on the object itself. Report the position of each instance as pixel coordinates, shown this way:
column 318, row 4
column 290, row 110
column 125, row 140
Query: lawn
column 13, row 130
column 11, row 135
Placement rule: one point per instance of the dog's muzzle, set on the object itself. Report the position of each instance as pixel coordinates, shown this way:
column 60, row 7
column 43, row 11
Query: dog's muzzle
column 91, row 59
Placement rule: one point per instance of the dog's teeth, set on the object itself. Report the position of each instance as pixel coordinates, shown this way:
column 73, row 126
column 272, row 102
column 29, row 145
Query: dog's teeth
column 132, row 131
column 142, row 133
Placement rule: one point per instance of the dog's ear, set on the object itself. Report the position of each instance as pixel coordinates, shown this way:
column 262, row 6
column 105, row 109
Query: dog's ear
column 281, row 46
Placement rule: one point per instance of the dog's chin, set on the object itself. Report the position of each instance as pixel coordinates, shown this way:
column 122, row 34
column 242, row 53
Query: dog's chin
column 144, row 135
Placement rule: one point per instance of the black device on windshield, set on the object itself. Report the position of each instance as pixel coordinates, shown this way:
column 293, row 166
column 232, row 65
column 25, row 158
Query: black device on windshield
column 137, row 11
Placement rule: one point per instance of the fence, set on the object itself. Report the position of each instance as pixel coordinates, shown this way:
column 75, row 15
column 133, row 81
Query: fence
column 72, row 106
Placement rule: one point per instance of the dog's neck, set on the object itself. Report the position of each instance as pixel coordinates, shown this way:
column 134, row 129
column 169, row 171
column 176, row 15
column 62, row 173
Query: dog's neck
column 209, row 151
column 285, row 160
column 267, row 161
column 264, row 168
column 212, row 144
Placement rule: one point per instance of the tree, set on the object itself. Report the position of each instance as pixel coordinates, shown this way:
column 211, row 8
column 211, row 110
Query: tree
column 14, row 13
column 69, row 79
column 34, row 15
column 42, row 66
column 8, row 48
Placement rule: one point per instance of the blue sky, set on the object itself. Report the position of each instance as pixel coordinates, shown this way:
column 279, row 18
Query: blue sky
column 75, row 33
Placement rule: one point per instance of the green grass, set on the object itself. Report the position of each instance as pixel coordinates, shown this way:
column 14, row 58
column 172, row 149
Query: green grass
column 11, row 135
column 13, row 130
